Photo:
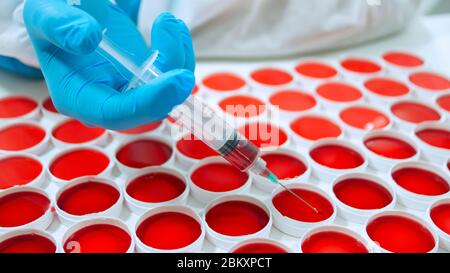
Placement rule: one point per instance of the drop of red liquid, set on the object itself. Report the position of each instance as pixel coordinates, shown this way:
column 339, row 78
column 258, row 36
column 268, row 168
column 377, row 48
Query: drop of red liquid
column 421, row 181
column 284, row 166
column 364, row 118
column 20, row 137
column 431, row 81
column 399, row 234
column 272, row 76
column 219, row 177
column 315, row 127
column 16, row 106
column 169, row 230
column 435, row 137
column 337, row 157
column 404, row 59
column 144, row 153
column 27, row 243
column 242, row 106
column 155, row 187
column 390, row 147
column 386, row 87
column 316, row 70
column 293, row 100
column 236, row 218
column 18, row 170
column 339, row 92
column 361, row 65
column 223, row 82
column 259, row 248
column 264, row 135
column 73, row 131
column 194, row 148
column 88, row 197
column 414, row 112
column 20, row 208
column 332, row 242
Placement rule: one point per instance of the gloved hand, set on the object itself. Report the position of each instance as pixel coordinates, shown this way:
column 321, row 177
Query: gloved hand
column 15, row 66
column 85, row 86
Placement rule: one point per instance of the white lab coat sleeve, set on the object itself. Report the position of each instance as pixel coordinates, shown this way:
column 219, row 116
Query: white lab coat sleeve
column 14, row 39
column 262, row 28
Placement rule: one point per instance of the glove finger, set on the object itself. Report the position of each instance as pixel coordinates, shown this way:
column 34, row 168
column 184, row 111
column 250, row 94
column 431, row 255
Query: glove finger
column 188, row 46
column 60, row 24
column 14, row 65
column 148, row 103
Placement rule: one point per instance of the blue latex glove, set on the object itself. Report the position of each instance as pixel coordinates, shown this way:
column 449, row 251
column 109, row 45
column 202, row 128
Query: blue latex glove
column 15, row 66
column 85, row 86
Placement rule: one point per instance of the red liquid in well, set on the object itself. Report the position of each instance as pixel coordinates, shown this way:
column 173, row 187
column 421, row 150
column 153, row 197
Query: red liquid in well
column 332, row 242
column 404, row 59
column 18, row 170
column 316, row 70
column 288, row 205
column 264, row 135
column 440, row 215
column 291, row 100
column 360, row 65
column 337, row 157
column 144, row 153
column 271, row 76
column 142, row 129
column 444, row 102
column 386, row 87
column 223, row 82
column 315, row 127
column 219, row 177
column 431, row 81
column 20, row 137
column 27, row 243
column 242, row 106
column 20, row 208
column 421, row 181
column 89, row 197
column 15, row 106
column 284, row 166
column 259, row 248
column 49, row 106
column 435, row 137
column 98, row 238
column 362, row 194
column 169, row 230
column 195, row 90
column 73, row 131
column 194, row 148
column 414, row 112
column 236, row 218
column 339, row 92
column 399, row 234
column 364, row 118
column 79, row 163
column 390, row 147
column 156, row 187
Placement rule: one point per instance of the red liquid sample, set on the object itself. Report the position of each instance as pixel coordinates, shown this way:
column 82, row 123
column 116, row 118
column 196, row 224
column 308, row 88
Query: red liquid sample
column 316, row 70
column 219, row 177
column 169, row 230
column 236, row 218
column 440, row 215
column 421, row 181
column 73, row 131
column 386, row 87
column 264, row 135
column 339, row 92
column 155, row 187
column 360, row 65
column 404, row 59
column 435, row 137
column 290, row 206
column 272, row 76
column 27, row 243
column 399, row 234
column 142, row 129
column 20, row 137
column 242, row 106
column 88, row 197
column 49, row 106
column 79, row 163
column 144, row 153
column 284, row 166
column 195, row 90
column 194, row 148
column 16, row 106
column 444, row 102
column 259, row 248
column 362, row 194
column 332, row 242
column 431, row 81
column 364, row 118
column 20, row 208
column 223, row 82
column 414, row 112
column 291, row 100
column 98, row 238
column 315, row 127
column 18, row 170
column 337, row 157
column 390, row 147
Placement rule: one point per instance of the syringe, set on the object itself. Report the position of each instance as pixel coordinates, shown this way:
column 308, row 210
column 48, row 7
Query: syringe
column 194, row 114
